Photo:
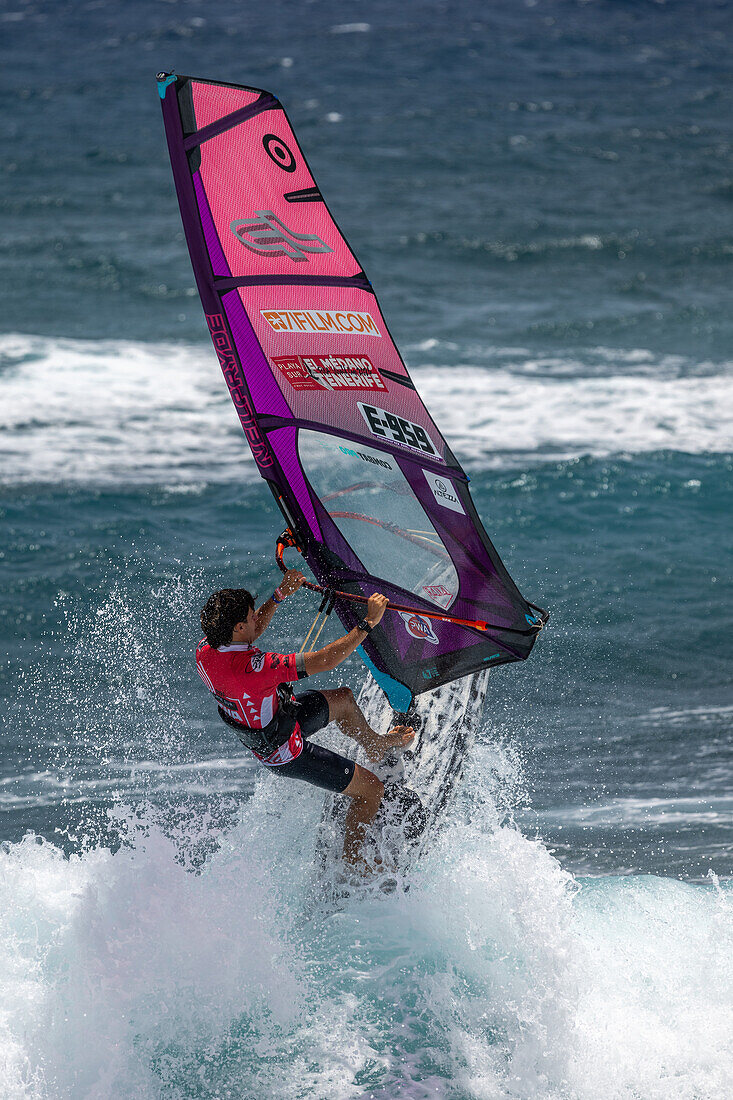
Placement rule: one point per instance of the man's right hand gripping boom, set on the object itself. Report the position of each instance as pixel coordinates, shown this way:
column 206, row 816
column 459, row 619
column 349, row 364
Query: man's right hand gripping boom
column 323, row 660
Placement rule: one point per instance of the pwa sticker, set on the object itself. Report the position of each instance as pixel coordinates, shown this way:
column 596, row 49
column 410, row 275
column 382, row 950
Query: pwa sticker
column 419, row 627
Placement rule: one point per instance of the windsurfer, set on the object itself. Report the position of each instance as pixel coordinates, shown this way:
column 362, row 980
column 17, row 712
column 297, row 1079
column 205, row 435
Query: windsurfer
column 254, row 697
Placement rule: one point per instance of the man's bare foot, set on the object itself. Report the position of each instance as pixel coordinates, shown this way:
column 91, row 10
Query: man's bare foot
column 398, row 737
column 360, row 869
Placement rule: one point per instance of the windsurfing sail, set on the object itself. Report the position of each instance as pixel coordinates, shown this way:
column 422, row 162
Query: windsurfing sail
column 374, row 496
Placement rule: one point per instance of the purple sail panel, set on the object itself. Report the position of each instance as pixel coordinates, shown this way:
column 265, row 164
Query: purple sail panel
column 376, row 499
column 266, row 395
column 283, row 442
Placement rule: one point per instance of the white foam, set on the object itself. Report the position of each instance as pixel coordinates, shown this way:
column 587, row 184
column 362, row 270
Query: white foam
column 110, row 412
column 500, row 413
column 186, row 955
column 105, row 412
column 643, row 813
column 351, row 28
column 496, row 976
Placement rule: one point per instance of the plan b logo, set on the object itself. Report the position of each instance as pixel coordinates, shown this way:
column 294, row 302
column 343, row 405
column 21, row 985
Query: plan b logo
column 267, row 235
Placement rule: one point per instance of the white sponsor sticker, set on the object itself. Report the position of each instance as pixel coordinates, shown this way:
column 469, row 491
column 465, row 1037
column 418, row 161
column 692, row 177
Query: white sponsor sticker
column 387, row 425
column 419, row 627
column 258, row 662
column 345, row 321
column 444, row 492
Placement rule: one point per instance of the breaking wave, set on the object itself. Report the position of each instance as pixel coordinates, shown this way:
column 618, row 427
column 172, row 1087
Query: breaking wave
column 106, row 412
column 136, row 973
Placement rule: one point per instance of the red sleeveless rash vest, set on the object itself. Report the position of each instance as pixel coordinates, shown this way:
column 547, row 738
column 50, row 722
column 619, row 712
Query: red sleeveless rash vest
column 244, row 682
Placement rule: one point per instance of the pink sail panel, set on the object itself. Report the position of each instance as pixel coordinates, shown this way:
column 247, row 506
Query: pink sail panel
column 213, row 101
column 261, row 230
column 330, row 352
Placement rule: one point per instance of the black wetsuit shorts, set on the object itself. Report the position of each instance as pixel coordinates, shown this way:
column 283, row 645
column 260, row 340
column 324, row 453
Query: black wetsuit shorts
column 315, row 764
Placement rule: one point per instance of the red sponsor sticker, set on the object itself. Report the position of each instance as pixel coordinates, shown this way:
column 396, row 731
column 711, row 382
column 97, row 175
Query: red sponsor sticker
column 330, row 372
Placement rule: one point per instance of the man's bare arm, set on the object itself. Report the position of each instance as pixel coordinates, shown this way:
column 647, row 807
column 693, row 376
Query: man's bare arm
column 290, row 583
column 328, row 658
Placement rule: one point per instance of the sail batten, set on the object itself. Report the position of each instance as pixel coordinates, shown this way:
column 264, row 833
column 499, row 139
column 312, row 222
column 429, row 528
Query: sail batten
column 336, row 426
column 360, row 281
column 266, row 102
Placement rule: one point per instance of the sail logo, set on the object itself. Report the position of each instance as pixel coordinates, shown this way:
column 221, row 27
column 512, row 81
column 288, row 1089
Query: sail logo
column 366, row 458
column 268, row 235
column 348, row 322
column 388, row 425
column 418, row 627
column 233, row 378
column 329, row 372
column 444, row 492
column 439, row 594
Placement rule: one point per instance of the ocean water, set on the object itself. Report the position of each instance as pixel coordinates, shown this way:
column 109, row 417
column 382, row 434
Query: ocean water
column 541, row 194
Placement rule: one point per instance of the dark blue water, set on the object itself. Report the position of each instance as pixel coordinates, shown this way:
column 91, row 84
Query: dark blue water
column 541, row 194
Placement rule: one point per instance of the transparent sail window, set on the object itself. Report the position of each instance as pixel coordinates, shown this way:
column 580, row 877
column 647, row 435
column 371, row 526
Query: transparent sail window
column 371, row 502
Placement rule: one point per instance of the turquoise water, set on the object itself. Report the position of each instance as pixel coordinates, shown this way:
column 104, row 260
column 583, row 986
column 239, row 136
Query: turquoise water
column 541, row 195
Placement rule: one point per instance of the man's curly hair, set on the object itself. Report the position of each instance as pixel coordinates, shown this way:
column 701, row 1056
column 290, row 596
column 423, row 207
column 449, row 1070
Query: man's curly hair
column 222, row 612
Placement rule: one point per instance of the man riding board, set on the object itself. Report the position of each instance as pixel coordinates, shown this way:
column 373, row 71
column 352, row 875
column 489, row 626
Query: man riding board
column 251, row 688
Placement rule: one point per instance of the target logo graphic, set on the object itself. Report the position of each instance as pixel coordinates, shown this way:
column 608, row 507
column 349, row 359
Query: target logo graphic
column 278, row 151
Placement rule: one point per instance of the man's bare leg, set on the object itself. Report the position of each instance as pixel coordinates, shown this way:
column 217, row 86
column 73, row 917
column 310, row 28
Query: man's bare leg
column 343, row 710
column 365, row 791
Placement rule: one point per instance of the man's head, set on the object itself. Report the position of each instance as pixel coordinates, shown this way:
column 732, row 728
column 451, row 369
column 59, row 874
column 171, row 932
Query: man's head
column 225, row 611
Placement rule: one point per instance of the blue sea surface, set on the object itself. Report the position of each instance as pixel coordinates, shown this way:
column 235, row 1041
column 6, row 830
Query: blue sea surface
column 541, row 195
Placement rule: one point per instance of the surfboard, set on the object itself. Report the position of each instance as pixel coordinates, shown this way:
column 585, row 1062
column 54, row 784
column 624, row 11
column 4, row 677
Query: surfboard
column 420, row 784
